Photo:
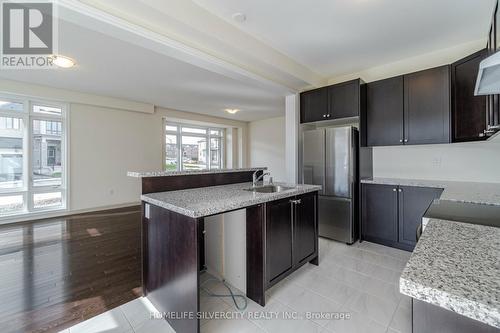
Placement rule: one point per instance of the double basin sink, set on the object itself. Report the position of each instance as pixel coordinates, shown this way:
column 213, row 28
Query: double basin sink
column 269, row 189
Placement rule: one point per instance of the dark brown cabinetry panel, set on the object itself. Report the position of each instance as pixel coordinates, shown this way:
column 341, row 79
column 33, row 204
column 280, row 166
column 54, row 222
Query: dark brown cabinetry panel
column 291, row 235
column 279, row 221
column 344, row 100
column 427, row 106
column 384, row 112
column 313, row 105
column 468, row 111
column 380, row 213
column 304, row 228
column 413, row 202
column 392, row 214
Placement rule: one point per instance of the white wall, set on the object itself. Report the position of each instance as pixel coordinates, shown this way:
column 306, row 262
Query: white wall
column 476, row 161
column 104, row 145
column 266, row 146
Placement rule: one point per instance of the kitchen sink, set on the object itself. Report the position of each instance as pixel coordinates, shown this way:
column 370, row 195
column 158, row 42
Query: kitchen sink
column 269, row 189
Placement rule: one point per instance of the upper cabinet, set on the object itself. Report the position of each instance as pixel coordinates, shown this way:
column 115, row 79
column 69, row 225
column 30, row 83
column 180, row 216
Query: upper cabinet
column 313, row 105
column 408, row 109
column 344, row 100
column 338, row 101
column 468, row 111
column 427, row 106
column 384, row 112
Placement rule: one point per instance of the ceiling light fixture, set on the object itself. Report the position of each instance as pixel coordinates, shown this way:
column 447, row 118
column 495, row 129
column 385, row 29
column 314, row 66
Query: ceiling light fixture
column 232, row 111
column 62, row 61
column 239, row 17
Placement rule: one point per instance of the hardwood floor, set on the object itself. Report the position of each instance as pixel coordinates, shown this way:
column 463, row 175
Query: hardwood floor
column 57, row 272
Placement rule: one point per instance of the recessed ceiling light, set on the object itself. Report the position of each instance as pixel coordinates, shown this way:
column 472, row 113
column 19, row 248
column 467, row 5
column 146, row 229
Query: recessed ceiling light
column 232, row 111
column 62, row 61
column 239, row 17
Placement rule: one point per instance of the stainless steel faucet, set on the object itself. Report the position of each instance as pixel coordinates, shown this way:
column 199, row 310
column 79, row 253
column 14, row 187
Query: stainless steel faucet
column 255, row 179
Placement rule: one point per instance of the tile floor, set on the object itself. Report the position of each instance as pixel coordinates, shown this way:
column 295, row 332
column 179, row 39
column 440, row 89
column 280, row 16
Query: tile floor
column 361, row 280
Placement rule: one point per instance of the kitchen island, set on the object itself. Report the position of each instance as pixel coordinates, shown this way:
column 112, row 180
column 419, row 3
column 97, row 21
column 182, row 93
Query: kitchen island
column 281, row 234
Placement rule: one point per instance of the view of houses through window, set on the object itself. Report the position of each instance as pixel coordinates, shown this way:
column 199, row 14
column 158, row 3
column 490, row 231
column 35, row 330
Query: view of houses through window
column 31, row 156
column 193, row 147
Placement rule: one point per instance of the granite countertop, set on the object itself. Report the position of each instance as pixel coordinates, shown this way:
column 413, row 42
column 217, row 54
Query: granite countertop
column 456, row 266
column 137, row 174
column 481, row 193
column 205, row 201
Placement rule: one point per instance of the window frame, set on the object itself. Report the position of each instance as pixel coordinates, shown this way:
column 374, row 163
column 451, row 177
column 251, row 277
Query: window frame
column 207, row 136
column 28, row 190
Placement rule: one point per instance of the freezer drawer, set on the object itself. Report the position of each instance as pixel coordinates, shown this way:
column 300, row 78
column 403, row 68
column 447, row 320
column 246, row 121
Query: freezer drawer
column 335, row 219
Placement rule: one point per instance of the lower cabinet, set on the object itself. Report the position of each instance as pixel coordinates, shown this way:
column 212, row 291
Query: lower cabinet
column 392, row 214
column 291, row 235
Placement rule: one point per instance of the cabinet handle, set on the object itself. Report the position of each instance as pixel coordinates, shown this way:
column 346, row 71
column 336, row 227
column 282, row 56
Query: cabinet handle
column 328, row 115
column 400, row 190
column 400, row 140
column 324, row 116
column 296, row 202
column 393, row 190
column 406, row 140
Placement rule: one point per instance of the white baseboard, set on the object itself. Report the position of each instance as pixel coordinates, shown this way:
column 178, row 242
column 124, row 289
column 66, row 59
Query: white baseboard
column 60, row 213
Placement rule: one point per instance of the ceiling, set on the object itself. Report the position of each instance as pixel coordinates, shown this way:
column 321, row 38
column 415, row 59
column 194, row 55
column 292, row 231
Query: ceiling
column 113, row 67
column 336, row 37
column 192, row 56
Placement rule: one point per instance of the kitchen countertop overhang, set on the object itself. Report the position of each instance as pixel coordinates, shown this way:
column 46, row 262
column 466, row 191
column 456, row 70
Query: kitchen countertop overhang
column 212, row 200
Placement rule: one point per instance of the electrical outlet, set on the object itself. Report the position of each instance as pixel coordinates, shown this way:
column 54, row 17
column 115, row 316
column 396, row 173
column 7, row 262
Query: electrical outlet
column 436, row 162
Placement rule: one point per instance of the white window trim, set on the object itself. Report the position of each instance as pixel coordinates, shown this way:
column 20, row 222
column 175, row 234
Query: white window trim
column 179, row 134
column 27, row 191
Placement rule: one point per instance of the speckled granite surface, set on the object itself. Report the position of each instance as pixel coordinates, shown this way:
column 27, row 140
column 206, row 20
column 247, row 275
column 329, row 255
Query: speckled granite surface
column 205, row 201
column 483, row 193
column 188, row 172
column 457, row 266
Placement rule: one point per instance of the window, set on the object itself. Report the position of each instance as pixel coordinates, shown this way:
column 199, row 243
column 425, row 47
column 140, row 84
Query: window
column 32, row 156
column 189, row 147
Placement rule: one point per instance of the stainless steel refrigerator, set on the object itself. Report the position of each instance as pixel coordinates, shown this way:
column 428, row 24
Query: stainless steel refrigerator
column 330, row 159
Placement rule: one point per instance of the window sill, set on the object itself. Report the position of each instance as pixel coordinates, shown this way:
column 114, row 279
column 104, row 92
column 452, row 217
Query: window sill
column 35, row 215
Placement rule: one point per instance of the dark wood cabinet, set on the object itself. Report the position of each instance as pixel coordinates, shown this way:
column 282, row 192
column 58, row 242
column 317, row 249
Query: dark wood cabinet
column 304, row 229
column 314, row 105
column 279, row 224
column 408, row 110
column 427, row 106
column 384, row 112
column 292, row 235
column 380, row 213
column 344, row 100
column 412, row 204
column 468, row 111
column 391, row 214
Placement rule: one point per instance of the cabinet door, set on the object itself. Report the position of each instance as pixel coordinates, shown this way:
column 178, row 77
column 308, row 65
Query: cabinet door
column 343, row 100
column 278, row 238
column 305, row 228
column 413, row 202
column 313, row 105
column 468, row 111
column 384, row 112
column 427, row 106
column 379, row 213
